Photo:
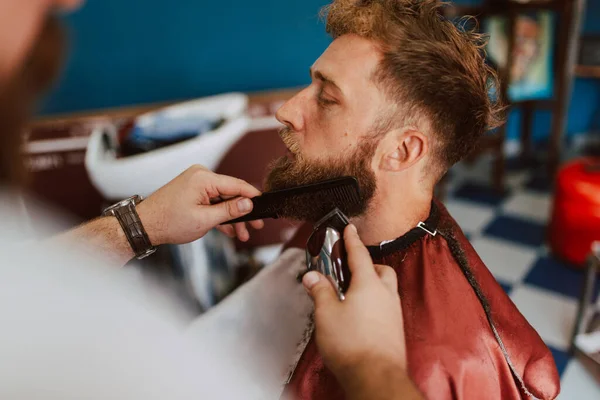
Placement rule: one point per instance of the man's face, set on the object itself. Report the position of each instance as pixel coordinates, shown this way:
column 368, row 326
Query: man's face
column 331, row 124
column 20, row 23
column 31, row 44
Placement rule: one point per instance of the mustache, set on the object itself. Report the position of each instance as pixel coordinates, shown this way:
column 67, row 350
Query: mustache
column 289, row 139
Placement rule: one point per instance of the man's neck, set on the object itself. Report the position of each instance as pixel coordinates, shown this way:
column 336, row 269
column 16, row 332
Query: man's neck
column 391, row 216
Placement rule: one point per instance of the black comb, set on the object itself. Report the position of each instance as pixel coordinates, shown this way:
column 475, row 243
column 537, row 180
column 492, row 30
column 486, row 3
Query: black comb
column 341, row 192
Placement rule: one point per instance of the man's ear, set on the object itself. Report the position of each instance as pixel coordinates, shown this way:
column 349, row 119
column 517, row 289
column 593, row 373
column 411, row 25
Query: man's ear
column 404, row 149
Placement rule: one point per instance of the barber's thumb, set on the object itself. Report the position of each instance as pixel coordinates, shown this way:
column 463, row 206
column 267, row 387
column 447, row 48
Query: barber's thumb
column 318, row 287
column 229, row 210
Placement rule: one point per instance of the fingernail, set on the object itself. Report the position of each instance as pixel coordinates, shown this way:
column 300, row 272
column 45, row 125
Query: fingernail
column 245, row 205
column 310, row 279
column 353, row 228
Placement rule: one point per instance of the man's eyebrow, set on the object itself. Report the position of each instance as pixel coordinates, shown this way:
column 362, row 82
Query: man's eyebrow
column 319, row 75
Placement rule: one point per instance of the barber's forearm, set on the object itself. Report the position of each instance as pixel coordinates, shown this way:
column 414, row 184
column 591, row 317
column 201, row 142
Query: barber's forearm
column 379, row 381
column 103, row 238
column 179, row 212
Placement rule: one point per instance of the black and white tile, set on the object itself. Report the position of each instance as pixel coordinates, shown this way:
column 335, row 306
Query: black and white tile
column 508, row 231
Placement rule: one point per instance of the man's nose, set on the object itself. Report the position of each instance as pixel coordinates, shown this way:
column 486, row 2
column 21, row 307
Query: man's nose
column 290, row 113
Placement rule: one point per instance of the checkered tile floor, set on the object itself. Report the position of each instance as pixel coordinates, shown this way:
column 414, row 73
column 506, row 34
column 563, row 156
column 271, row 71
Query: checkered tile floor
column 508, row 233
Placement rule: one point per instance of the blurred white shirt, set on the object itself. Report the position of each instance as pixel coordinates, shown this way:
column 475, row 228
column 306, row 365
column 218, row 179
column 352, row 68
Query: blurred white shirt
column 73, row 328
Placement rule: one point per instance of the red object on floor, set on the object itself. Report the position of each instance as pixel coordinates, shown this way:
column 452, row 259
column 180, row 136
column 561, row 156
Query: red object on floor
column 575, row 222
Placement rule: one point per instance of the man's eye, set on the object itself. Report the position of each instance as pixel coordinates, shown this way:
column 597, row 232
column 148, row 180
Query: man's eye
column 326, row 102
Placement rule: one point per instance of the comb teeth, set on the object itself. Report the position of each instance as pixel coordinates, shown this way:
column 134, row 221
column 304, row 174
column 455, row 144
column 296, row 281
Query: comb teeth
column 346, row 195
column 342, row 193
column 344, row 198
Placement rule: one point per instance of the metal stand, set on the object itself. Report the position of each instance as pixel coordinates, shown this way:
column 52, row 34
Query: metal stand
column 583, row 322
column 587, row 294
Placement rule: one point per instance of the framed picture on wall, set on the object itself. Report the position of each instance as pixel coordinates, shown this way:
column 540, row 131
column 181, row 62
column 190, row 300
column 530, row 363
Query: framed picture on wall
column 531, row 63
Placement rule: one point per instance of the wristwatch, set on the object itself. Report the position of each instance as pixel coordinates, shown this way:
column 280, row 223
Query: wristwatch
column 129, row 220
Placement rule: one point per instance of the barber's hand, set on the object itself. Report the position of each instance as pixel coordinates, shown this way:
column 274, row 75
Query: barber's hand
column 181, row 211
column 363, row 335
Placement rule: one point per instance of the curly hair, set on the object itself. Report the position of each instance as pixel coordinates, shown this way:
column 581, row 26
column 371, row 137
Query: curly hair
column 431, row 68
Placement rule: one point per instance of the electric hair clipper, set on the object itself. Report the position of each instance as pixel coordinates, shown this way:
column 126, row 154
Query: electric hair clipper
column 326, row 251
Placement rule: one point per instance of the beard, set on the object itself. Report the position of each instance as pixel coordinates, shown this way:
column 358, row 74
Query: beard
column 19, row 94
column 287, row 172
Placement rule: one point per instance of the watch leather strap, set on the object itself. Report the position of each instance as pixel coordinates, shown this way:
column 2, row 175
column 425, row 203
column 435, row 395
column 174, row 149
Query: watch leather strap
column 132, row 226
column 135, row 232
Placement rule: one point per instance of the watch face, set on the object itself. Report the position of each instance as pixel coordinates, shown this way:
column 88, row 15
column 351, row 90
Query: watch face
column 133, row 199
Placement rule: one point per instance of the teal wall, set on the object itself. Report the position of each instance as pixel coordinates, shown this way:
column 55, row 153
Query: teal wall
column 127, row 52
column 138, row 51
